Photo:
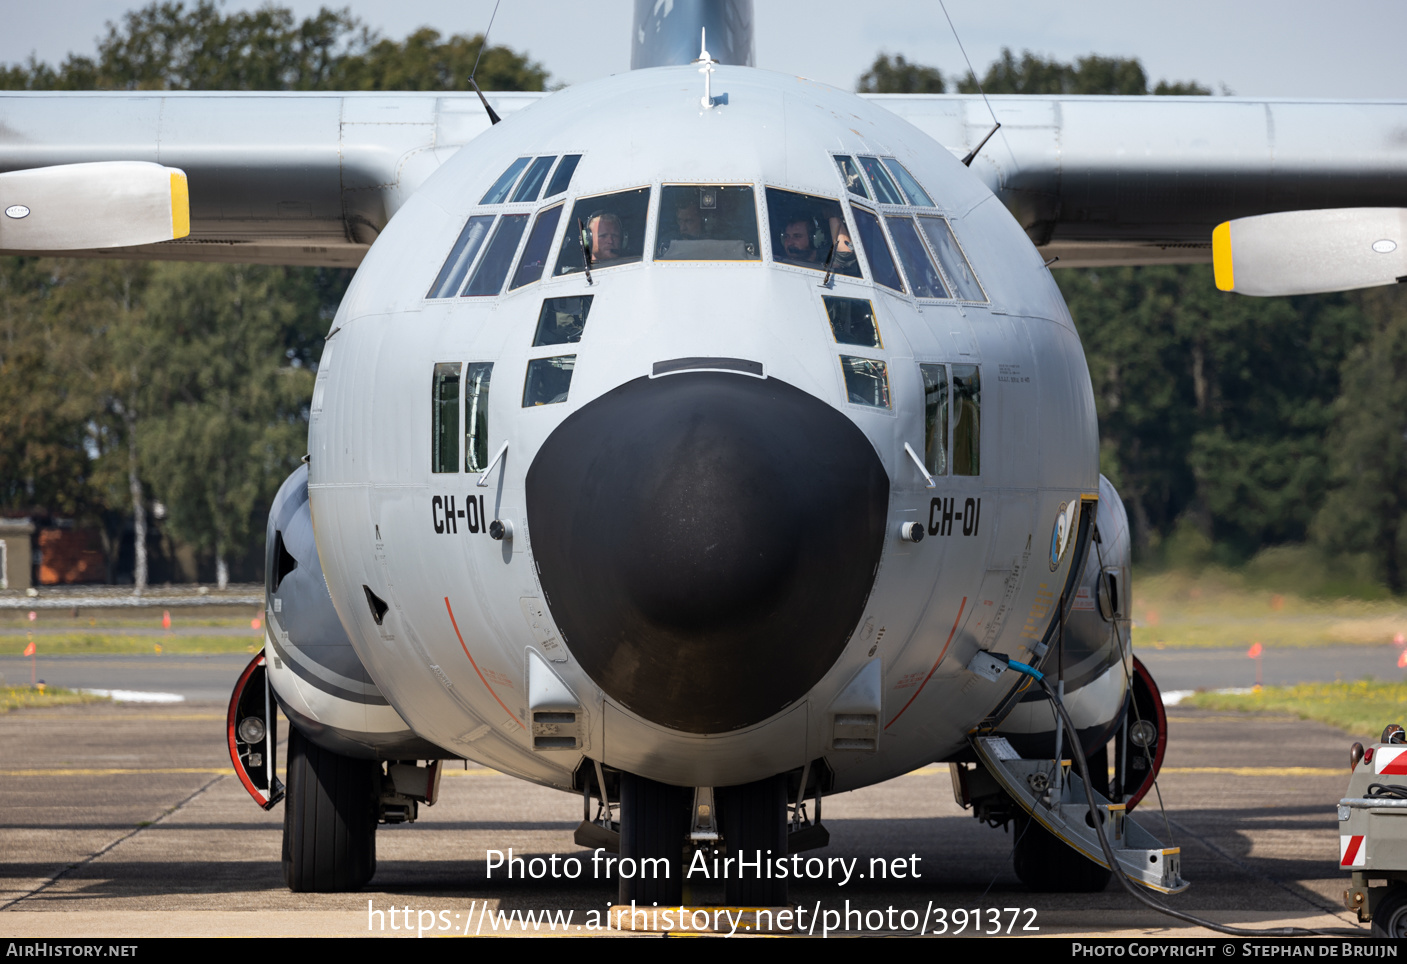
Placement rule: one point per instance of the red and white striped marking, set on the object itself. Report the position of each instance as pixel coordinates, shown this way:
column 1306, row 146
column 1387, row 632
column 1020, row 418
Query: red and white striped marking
column 1352, row 853
column 1390, row 760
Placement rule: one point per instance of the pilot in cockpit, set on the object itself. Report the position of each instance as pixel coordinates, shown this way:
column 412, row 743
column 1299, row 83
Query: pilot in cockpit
column 690, row 221
column 799, row 243
column 606, row 238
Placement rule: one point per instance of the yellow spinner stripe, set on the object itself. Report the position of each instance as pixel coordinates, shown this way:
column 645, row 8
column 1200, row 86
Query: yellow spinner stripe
column 1221, row 257
column 180, row 205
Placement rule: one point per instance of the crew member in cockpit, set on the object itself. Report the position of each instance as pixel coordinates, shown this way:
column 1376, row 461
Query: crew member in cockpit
column 796, row 241
column 606, row 238
column 690, row 219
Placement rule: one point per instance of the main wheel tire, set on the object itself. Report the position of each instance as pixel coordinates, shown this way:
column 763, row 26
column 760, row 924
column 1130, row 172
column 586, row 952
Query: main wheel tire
column 329, row 819
column 1048, row 865
column 1390, row 916
column 654, row 817
column 754, row 823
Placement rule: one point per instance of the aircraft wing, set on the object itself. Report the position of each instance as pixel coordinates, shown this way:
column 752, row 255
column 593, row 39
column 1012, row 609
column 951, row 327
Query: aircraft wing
column 274, row 178
column 1145, row 180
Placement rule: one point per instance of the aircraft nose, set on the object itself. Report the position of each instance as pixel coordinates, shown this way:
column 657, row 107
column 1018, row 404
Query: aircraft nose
column 706, row 543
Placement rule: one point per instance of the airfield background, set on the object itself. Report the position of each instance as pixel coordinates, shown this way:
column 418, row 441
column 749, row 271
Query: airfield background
column 158, row 406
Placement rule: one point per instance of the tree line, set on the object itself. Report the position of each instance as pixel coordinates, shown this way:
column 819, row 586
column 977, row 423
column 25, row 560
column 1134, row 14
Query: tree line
column 132, row 389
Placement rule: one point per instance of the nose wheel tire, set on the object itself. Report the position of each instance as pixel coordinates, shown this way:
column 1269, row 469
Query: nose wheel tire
column 329, row 819
column 1048, row 865
column 654, row 817
column 754, row 823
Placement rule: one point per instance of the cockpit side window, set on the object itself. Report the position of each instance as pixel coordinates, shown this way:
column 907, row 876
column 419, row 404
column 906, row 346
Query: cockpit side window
column 852, row 321
column 707, row 223
column 548, row 380
column 866, row 381
column 562, row 320
column 877, row 249
column 461, row 256
column 918, row 197
column 950, row 256
column 505, row 182
column 918, row 265
column 444, row 418
column 534, row 258
column 807, row 231
column 614, row 229
column 498, row 257
column 562, row 177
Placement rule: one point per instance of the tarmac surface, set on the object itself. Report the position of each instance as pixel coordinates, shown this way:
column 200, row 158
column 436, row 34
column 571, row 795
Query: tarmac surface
column 124, row 820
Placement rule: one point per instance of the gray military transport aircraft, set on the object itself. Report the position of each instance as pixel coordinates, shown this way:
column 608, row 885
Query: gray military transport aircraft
column 704, row 440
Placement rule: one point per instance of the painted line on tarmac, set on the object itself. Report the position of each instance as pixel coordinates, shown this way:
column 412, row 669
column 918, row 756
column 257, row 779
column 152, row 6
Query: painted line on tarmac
column 109, row 771
column 1231, row 771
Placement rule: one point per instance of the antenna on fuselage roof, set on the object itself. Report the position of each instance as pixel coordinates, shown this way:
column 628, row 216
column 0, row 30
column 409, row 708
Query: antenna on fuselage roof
column 706, row 101
column 493, row 118
column 967, row 161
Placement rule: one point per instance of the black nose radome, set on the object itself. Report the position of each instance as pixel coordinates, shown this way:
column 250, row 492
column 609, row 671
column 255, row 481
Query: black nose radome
column 706, row 542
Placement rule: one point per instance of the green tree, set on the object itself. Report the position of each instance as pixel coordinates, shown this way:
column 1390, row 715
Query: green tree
column 898, row 76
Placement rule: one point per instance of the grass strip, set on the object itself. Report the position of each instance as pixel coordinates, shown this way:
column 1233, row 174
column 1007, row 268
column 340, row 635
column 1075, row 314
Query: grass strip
column 18, row 697
column 1361, row 708
column 82, row 643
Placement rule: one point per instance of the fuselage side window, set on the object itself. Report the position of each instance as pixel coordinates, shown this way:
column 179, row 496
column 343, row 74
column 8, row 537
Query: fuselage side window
column 852, row 321
column 935, row 418
column 461, row 256
column 548, row 380
column 562, row 320
column 498, row 256
column 877, row 249
column 967, row 420
column 807, row 231
column 505, row 182
column 850, row 174
column 532, row 181
column 918, row 197
column 885, row 190
column 476, row 416
column 611, row 225
column 924, row 278
column 562, row 177
column 444, row 418
column 950, row 256
column 866, row 381
column 707, row 223
column 534, row 258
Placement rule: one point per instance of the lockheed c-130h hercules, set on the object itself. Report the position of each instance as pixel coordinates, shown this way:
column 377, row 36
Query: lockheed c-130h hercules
column 702, row 440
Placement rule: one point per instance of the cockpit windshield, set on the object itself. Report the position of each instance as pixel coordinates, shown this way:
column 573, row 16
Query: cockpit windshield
column 611, row 226
column 810, row 232
column 707, row 223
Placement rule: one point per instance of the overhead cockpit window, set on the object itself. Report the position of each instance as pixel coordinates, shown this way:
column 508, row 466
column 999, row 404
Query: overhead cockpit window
column 548, row 380
column 866, row 381
column 498, row 256
column 850, row 174
column 476, row 416
column 562, row 320
column 562, row 177
column 935, row 418
column 461, row 256
column 810, row 232
column 852, row 321
column 534, row 259
column 950, row 256
column 444, row 418
column 924, row 279
column 967, row 420
column 505, row 182
column 877, row 249
column 917, row 195
column 707, row 223
column 612, row 226
column 885, row 190
column 531, row 184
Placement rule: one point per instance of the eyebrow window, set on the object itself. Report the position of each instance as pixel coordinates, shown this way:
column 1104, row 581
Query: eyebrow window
column 444, row 418
column 461, row 256
column 866, row 381
column 534, row 259
column 885, row 190
column 548, row 380
column 498, row 257
column 852, row 321
column 850, row 174
column 562, row 320
column 562, row 177
column 923, row 274
column 532, row 181
column 918, row 197
column 877, row 249
column 707, row 223
column 955, row 265
column 505, row 182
